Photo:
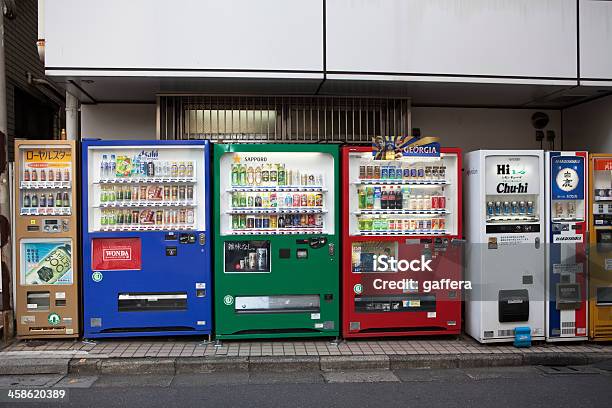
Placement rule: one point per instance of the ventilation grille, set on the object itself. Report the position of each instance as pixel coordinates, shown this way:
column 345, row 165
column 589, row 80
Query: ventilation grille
column 505, row 333
column 286, row 119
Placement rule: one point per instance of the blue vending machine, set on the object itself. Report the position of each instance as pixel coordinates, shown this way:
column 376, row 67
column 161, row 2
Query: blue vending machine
column 146, row 242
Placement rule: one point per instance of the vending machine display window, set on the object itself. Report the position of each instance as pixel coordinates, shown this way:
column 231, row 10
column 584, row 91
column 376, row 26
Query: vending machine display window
column 276, row 193
column 134, row 189
column 511, row 189
column 412, row 196
column 45, row 183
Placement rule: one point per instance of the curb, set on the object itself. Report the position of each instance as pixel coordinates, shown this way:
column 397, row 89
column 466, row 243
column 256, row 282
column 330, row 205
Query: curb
column 191, row 365
column 21, row 366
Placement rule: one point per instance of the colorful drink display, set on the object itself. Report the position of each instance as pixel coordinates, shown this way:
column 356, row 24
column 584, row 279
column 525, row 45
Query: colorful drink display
column 273, row 200
column 417, row 172
column 272, row 175
column 513, row 209
column 117, row 218
column 390, row 199
column 402, row 225
column 167, row 194
column 275, row 222
column 45, row 189
column 295, row 195
column 139, row 167
column 160, row 193
column 400, row 198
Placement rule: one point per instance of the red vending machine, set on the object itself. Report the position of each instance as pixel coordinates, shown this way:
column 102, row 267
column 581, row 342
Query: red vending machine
column 402, row 261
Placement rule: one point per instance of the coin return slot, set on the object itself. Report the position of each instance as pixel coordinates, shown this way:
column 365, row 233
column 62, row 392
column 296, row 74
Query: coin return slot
column 38, row 301
column 60, row 302
column 152, row 302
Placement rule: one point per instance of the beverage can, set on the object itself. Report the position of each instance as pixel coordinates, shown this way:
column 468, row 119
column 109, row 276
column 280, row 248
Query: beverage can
column 174, row 192
column 362, row 172
column 434, row 224
column 441, row 223
column 181, row 193
column 262, row 259
column 182, row 216
column 189, row 172
column 434, row 203
column 167, row 193
column 370, row 172
column 159, row 217
column 442, row 202
column 319, row 200
column 252, row 260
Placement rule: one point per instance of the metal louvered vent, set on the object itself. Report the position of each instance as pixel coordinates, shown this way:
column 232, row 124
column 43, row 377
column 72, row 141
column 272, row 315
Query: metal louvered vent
column 282, row 119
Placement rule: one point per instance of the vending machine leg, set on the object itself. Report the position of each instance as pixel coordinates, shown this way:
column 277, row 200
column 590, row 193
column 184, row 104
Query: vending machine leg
column 218, row 343
column 89, row 342
column 206, row 341
column 336, row 341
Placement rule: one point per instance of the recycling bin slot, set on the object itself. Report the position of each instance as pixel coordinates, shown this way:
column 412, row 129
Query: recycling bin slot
column 513, row 305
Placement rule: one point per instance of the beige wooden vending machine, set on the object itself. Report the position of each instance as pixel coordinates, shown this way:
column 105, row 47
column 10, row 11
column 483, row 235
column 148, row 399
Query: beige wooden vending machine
column 46, row 278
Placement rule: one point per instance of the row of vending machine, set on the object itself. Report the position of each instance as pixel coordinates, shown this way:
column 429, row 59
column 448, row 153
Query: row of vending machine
column 153, row 238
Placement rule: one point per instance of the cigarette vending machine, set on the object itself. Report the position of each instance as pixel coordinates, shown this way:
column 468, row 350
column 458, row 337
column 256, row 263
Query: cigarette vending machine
column 146, row 246
column 409, row 210
column 46, row 230
column 276, row 241
column 504, row 214
column 566, row 245
column 600, row 254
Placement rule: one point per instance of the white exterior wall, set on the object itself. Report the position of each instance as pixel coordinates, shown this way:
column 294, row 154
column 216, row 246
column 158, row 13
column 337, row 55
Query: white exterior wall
column 118, row 121
column 596, row 40
column 526, row 38
column 475, row 128
column 183, row 35
column 469, row 129
column 589, row 126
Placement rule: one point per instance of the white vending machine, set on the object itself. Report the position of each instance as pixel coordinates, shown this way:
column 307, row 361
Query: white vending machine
column 504, row 213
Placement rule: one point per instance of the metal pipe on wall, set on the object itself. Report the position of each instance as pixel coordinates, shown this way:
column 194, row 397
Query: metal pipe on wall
column 72, row 116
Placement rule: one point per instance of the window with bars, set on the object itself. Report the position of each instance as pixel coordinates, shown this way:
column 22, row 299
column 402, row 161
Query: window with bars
column 286, row 119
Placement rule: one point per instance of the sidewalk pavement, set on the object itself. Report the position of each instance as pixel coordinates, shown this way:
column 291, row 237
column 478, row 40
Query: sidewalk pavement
column 188, row 355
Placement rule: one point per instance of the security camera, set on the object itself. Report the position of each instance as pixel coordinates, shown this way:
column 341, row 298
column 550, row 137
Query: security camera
column 539, row 120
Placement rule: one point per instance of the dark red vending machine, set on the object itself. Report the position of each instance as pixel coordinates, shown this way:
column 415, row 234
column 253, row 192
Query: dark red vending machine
column 402, row 260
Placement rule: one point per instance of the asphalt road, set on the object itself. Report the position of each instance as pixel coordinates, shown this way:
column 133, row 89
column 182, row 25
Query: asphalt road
column 487, row 387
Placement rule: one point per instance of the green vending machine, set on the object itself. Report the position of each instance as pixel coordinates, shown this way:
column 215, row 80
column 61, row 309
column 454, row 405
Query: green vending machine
column 277, row 270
